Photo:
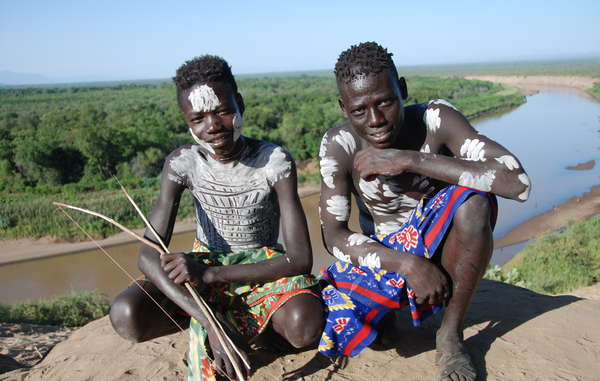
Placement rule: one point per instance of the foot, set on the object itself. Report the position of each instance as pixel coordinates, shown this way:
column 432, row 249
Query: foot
column 452, row 359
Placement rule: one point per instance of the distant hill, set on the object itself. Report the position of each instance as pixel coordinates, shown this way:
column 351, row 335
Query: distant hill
column 10, row 78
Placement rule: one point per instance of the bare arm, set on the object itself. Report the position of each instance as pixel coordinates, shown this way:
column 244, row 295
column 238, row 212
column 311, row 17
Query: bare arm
column 479, row 162
column 429, row 283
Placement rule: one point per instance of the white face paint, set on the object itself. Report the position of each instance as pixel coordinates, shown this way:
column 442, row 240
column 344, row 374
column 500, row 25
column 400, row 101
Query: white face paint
column 203, row 145
column 323, row 147
column 278, row 167
column 525, row 180
column 509, row 161
column 339, row 207
column 203, row 98
column 472, row 150
column 370, row 189
column 341, row 256
column 346, row 140
column 370, row 260
column 442, row 102
column 426, row 149
column 328, row 168
column 482, row 183
column 238, row 124
column 432, row 119
column 358, row 239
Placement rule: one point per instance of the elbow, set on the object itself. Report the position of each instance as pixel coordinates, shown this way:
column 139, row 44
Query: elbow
column 524, row 187
column 145, row 262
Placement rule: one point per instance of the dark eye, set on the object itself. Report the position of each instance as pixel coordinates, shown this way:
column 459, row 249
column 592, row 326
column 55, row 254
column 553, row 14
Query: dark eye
column 387, row 102
column 358, row 111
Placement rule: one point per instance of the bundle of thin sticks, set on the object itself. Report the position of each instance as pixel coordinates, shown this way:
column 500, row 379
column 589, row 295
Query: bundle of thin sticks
column 163, row 250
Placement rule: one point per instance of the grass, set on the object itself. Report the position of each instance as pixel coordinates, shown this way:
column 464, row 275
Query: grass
column 558, row 262
column 71, row 310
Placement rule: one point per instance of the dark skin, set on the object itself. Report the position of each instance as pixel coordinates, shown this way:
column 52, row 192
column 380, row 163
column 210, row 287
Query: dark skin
column 133, row 315
column 397, row 160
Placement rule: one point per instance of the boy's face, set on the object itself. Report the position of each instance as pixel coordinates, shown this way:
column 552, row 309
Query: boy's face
column 374, row 106
column 213, row 113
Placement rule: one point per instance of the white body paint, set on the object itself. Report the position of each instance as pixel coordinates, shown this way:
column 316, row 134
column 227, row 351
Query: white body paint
column 426, row 149
column 203, row 98
column 278, row 167
column 432, row 119
column 370, row 188
column 483, row 182
column 339, row 206
column 358, row 239
column 203, row 145
column 323, row 147
column 472, row 150
column 387, row 227
column 509, row 161
column 341, row 256
column 346, row 140
column 370, row 260
column 442, row 102
column 525, row 180
column 328, row 168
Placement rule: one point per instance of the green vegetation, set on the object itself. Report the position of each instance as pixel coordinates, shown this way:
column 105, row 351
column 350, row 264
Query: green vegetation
column 596, row 90
column 63, row 143
column 557, row 262
column 72, row 310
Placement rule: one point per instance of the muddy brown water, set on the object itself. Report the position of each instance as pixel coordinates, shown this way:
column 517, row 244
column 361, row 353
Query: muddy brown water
column 568, row 124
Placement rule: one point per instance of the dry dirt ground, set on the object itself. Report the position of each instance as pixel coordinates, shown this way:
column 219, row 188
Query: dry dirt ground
column 512, row 334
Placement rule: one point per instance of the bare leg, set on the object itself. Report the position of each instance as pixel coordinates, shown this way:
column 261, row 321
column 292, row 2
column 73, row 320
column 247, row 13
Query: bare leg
column 300, row 320
column 135, row 317
column 466, row 254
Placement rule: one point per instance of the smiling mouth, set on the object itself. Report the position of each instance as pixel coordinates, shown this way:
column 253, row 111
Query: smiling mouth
column 380, row 136
column 220, row 141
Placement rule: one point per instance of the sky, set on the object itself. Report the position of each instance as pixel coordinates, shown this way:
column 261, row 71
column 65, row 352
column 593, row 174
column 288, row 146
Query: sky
column 135, row 39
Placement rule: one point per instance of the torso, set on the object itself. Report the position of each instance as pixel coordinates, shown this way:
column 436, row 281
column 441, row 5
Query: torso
column 236, row 206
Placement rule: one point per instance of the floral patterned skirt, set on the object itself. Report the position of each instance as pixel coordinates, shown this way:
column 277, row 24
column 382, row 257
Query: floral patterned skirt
column 357, row 297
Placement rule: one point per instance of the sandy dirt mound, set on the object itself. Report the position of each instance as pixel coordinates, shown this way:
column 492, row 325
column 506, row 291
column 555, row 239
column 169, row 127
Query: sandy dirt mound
column 513, row 334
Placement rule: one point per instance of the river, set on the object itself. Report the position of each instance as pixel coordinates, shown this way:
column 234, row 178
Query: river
column 553, row 130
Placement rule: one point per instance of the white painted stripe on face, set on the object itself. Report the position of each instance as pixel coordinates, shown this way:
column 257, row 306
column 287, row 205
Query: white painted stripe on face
column 370, row 260
column 238, row 124
column 328, row 168
column 509, row 161
column 339, row 206
column 346, row 140
column 204, row 146
column 203, row 98
column 472, row 150
column 525, row 180
column 340, row 255
column 356, row 239
column 482, row 182
column 432, row 119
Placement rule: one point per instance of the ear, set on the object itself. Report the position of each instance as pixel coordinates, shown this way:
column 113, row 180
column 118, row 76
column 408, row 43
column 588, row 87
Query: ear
column 403, row 88
column 240, row 102
column 343, row 108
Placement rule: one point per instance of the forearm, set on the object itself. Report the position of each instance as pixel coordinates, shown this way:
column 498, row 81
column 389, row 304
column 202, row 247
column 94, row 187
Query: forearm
column 264, row 271
column 489, row 176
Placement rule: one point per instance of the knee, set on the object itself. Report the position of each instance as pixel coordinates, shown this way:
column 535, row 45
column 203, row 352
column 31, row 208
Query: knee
column 304, row 325
column 473, row 216
column 123, row 319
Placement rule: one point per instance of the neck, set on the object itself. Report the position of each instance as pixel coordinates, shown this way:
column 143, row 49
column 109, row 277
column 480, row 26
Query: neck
column 235, row 154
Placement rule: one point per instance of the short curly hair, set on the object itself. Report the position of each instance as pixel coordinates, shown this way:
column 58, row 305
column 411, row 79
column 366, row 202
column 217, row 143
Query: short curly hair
column 206, row 68
column 363, row 59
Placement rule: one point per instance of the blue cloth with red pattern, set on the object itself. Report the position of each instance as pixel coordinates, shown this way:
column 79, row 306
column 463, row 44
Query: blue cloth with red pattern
column 357, row 297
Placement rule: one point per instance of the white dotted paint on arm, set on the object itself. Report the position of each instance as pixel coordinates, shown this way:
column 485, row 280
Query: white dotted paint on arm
column 278, row 167
column 328, row 168
column 346, row 140
column 370, row 260
column 509, row 161
column 356, row 239
column 525, row 180
column 432, row 119
column 323, row 147
column 339, row 206
column 203, row 98
column 472, row 150
column 340, row 255
column 370, row 189
column 482, row 182
column 442, row 102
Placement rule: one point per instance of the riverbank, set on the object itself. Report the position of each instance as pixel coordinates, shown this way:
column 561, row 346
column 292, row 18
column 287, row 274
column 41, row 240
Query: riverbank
column 532, row 84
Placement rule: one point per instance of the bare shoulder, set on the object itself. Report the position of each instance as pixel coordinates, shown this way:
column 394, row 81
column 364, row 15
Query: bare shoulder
column 277, row 162
column 340, row 140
